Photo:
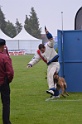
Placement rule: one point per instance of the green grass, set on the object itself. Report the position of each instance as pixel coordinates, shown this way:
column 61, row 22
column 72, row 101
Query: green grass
column 28, row 105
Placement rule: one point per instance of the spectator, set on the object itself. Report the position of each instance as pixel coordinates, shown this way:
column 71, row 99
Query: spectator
column 6, row 76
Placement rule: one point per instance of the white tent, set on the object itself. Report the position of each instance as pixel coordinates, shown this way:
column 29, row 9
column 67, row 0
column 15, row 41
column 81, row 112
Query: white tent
column 7, row 38
column 24, row 41
column 4, row 36
column 23, row 35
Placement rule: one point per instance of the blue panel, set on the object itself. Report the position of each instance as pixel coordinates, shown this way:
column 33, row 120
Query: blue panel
column 73, row 76
column 70, row 59
column 60, row 52
column 72, row 46
column 61, row 69
column 60, row 45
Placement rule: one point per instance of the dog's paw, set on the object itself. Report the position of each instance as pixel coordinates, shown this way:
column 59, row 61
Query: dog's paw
column 67, row 94
column 63, row 95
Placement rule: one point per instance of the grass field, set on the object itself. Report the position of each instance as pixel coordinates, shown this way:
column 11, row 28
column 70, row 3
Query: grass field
column 28, row 105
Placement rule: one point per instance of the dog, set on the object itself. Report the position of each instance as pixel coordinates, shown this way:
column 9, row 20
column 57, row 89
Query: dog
column 60, row 84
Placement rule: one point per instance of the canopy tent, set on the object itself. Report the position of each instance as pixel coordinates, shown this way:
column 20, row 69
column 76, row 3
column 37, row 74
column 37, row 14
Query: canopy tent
column 4, row 36
column 23, row 35
column 24, row 41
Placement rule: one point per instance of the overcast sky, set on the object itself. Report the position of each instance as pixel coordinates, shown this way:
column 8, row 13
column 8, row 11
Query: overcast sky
column 48, row 12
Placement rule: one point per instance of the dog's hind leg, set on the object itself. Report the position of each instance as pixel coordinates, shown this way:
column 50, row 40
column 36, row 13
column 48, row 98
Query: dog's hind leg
column 65, row 87
column 66, row 93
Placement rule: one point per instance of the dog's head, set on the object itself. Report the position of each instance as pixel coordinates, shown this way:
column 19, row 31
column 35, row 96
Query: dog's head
column 56, row 76
column 56, row 80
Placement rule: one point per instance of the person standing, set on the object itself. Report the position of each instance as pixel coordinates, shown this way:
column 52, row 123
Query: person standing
column 48, row 54
column 6, row 76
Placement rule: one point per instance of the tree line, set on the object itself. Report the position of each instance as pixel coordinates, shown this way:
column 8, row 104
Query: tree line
column 31, row 25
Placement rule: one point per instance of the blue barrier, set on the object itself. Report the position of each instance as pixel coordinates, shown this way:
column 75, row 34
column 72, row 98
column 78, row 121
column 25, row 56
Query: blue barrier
column 70, row 58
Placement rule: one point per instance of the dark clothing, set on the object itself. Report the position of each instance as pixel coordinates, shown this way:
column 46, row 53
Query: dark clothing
column 5, row 97
column 6, row 76
column 6, row 69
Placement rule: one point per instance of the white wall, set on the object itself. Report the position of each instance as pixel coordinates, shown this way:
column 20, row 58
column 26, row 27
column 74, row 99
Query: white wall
column 29, row 45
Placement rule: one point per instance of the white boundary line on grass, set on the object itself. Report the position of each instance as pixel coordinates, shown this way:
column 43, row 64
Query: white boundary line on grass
column 63, row 100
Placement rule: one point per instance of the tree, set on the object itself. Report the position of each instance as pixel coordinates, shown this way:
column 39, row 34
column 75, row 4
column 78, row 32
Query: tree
column 32, row 24
column 27, row 25
column 18, row 26
column 7, row 27
column 2, row 21
column 10, row 29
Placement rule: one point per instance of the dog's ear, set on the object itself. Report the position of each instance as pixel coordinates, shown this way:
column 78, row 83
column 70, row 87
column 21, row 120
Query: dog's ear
column 55, row 73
